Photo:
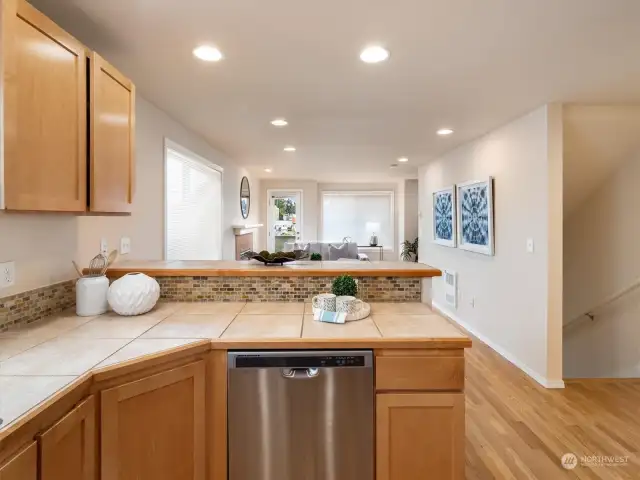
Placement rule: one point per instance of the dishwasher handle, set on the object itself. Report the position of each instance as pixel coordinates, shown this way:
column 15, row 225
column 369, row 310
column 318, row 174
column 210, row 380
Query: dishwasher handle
column 300, row 373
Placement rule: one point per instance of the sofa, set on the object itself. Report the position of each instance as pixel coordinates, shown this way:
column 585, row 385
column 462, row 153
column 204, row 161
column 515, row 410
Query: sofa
column 328, row 250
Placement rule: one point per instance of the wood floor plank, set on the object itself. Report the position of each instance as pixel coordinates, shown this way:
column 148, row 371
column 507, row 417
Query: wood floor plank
column 516, row 429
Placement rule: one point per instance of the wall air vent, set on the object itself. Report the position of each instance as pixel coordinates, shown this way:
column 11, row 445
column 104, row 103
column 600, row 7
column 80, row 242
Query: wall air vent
column 451, row 287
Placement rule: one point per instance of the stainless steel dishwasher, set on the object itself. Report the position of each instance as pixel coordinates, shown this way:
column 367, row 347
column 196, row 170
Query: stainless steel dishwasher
column 301, row 415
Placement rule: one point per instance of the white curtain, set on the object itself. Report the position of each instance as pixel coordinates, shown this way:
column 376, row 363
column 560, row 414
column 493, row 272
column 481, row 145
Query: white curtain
column 193, row 208
column 358, row 215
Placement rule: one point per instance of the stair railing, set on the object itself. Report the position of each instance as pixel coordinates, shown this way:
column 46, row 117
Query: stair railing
column 591, row 313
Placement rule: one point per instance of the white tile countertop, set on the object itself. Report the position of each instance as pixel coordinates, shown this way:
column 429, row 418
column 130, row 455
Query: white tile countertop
column 39, row 360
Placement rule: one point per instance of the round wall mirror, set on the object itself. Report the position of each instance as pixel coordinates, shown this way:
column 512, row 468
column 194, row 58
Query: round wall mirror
column 245, row 197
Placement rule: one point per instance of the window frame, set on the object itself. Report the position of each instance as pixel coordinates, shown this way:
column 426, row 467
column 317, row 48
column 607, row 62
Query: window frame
column 354, row 193
column 193, row 157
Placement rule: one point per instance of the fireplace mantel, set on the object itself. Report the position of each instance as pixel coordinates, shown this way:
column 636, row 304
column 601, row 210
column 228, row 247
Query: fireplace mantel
column 244, row 229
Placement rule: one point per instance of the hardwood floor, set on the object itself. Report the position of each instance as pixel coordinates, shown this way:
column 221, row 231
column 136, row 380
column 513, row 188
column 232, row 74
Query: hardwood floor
column 517, row 429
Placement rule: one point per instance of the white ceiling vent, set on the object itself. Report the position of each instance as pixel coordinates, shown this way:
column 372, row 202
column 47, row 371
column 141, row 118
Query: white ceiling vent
column 451, row 288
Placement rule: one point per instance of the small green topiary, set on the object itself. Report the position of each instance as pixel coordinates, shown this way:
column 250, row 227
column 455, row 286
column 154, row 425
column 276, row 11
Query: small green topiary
column 345, row 285
column 316, row 257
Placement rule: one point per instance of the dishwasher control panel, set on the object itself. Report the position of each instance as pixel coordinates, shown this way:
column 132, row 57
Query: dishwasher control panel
column 297, row 360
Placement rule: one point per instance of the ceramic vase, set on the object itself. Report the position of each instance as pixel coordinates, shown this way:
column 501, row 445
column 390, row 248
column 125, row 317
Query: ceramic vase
column 133, row 294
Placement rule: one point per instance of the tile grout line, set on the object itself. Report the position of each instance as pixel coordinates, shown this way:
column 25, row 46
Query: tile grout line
column 128, row 343
column 44, row 320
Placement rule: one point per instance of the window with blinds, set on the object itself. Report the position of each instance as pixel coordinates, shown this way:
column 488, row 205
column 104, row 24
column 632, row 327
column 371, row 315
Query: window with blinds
column 358, row 215
column 193, row 207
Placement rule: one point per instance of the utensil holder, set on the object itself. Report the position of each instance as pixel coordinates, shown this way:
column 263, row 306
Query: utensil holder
column 91, row 296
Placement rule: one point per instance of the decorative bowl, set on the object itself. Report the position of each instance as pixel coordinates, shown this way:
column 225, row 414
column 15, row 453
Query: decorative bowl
column 278, row 258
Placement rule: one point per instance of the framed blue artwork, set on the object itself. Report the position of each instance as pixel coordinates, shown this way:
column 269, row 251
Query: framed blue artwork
column 475, row 216
column 444, row 217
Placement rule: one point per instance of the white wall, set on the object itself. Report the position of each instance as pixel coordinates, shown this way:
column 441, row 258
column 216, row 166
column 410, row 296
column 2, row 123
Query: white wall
column 602, row 258
column 43, row 245
column 510, row 289
column 411, row 209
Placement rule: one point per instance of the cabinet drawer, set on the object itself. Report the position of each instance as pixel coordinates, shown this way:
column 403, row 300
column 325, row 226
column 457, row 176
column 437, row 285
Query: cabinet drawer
column 413, row 372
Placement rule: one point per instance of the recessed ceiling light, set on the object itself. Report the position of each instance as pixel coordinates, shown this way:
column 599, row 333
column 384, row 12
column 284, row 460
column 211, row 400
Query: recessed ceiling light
column 208, row 53
column 289, row 148
column 403, row 159
column 374, row 54
column 268, row 170
column 444, row 131
column 279, row 122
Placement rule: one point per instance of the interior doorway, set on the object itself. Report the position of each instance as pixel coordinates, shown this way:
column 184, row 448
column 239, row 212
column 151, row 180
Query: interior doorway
column 284, row 218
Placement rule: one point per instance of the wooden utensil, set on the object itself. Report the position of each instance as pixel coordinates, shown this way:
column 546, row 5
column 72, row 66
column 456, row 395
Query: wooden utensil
column 75, row 265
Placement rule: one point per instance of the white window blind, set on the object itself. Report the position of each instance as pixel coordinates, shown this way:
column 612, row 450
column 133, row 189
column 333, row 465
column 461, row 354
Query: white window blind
column 193, row 208
column 358, row 215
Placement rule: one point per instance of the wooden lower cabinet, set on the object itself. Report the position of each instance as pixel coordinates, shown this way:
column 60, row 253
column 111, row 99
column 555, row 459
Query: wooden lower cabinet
column 23, row 466
column 68, row 449
column 419, row 436
column 154, row 428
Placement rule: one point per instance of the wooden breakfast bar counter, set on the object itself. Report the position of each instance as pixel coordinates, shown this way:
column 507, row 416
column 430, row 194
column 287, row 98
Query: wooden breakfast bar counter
column 226, row 268
column 191, row 281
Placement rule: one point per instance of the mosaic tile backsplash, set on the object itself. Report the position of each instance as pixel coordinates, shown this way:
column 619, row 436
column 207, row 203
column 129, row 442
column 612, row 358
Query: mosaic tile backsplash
column 289, row 289
column 27, row 307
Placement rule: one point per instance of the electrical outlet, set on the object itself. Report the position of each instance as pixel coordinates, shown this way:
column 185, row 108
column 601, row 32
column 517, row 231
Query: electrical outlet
column 530, row 245
column 104, row 247
column 125, row 245
column 7, row 274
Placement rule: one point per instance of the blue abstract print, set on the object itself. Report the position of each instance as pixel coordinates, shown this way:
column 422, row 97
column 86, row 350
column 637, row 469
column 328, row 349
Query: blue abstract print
column 474, row 214
column 443, row 215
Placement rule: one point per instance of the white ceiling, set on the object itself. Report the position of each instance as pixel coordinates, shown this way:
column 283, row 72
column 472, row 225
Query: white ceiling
column 466, row 64
column 597, row 140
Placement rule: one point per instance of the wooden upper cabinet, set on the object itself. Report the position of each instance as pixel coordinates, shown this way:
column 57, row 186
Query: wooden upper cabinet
column 68, row 449
column 45, row 118
column 112, row 124
column 23, row 466
column 154, row 428
column 420, row 435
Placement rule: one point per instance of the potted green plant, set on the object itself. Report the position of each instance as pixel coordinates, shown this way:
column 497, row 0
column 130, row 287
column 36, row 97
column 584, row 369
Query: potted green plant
column 344, row 285
column 316, row 257
column 410, row 250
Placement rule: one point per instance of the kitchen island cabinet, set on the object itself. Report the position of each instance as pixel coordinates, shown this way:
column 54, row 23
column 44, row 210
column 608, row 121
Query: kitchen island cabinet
column 154, row 428
column 68, row 448
column 163, row 416
column 418, row 433
column 22, row 466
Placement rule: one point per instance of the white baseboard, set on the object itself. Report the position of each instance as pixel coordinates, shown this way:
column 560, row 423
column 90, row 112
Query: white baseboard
column 507, row 355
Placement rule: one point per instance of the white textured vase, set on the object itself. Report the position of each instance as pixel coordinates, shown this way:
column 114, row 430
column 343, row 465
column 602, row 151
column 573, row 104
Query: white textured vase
column 133, row 294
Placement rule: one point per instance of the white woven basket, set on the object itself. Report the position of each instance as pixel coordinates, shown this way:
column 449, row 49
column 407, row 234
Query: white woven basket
column 363, row 312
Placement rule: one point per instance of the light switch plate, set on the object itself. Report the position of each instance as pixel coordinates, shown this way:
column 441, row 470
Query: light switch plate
column 7, row 274
column 530, row 245
column 104, row 247
column 125, row 245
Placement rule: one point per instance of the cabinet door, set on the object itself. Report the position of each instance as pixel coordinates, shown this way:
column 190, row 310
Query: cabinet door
column 154, row 428
column 68, row 449
column 112, row 139
column 45, row 116
column 419, row 435
column 24, row 466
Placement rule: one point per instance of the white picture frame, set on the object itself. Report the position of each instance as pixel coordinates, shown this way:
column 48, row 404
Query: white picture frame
column 444, row 216
column 475, row 216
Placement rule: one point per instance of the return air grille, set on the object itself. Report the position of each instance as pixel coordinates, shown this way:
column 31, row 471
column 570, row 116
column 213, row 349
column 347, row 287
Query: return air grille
column 451, row 288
